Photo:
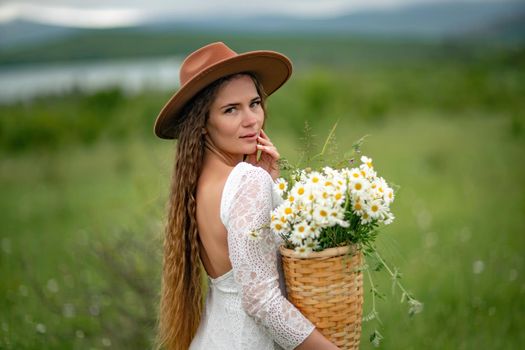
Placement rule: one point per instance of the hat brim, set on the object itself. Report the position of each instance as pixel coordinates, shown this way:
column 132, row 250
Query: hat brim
column 271, row 68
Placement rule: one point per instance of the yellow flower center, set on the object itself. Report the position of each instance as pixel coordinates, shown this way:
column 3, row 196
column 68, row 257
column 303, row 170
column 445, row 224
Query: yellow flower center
column 358, row 186
column 278, row 226
column 338, row 196
column 301, row 228
column 300, row 190
column 323, row 213
column 288, row 211
column 374, row 208
column 358, row 206
column 281, row 186
column 315, row 179
column 328, row 183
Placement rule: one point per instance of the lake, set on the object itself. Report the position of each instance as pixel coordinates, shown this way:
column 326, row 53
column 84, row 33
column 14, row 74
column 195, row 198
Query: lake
column 131, row 75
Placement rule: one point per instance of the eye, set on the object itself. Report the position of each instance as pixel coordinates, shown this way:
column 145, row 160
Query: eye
column 256, row 103
column 229, row 110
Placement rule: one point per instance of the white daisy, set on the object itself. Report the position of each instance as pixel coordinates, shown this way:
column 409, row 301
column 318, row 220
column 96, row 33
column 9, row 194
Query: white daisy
column 354, row 174
column 389, row 195
column 389, row 218
column 281, row 186
column 376, row 208
column 358, row 206
column 254, row 235
column 359, row 185
column 365, row 218
column 315, row 178
column 320, row 216
column 311, row 243
column 296, row 239
column 280, row 227
column 303, row 251
column 367, row 161
column 366, row 172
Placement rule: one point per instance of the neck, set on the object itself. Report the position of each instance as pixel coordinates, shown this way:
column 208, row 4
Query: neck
column 214, row 154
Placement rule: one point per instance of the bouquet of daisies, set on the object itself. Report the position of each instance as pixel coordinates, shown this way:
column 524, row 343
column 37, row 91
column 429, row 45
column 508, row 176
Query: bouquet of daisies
column 328, row 221
column 331, row 207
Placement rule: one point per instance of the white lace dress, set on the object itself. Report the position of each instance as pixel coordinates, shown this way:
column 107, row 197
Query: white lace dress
column 246, row 307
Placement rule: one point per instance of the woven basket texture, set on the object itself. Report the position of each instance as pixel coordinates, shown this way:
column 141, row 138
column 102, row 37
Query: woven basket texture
column 327, row 287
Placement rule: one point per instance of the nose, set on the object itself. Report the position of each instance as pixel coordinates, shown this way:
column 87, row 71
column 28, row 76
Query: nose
column 249, row 118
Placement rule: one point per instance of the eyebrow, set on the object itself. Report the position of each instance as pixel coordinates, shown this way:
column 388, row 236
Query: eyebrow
column 238, row 103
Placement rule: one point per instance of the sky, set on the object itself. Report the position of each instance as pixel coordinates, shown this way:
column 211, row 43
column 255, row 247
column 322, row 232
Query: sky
column 118, row 13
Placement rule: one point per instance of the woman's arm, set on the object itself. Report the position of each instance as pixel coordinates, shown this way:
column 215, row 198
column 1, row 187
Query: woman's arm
column 254, row 263
column 316, row 340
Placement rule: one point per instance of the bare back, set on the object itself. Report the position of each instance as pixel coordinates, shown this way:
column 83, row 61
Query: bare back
column 212, row 233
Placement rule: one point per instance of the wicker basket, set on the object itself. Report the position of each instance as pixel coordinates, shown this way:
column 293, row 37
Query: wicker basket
column 327, row 287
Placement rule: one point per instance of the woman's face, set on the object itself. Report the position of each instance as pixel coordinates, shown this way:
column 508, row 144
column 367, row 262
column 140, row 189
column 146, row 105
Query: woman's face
column 236, row 117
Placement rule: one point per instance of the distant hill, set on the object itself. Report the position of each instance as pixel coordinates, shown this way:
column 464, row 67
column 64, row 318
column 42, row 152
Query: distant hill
column 430, row 20
column 490, row 22
column 26, row 32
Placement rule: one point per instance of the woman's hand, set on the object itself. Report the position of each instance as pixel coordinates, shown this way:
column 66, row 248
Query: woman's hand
column 269, row 156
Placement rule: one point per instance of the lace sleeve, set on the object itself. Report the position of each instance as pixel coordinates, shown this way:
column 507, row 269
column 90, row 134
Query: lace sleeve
column 254, row 260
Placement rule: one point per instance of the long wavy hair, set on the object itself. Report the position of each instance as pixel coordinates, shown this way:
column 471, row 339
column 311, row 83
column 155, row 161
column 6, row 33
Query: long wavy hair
column 182, row 292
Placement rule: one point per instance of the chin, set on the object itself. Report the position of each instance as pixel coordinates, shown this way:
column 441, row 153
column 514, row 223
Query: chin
column 249, row 148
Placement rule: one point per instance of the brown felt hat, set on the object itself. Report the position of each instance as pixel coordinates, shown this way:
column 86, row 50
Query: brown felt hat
column 211, row 62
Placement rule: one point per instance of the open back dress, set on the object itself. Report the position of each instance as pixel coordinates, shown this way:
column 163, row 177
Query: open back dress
column 246, row 307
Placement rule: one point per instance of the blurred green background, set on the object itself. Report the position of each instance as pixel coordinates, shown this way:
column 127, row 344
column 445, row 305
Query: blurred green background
column 84, row 184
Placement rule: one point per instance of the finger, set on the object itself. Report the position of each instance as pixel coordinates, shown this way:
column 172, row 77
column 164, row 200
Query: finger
column 263, row 134
column 266, row 142
column 270, row 150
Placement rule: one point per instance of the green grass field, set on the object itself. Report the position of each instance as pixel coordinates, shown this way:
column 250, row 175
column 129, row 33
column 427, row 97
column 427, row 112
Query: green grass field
column 84, row 183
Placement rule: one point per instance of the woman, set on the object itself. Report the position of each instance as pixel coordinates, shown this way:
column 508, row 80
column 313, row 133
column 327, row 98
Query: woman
column 219, row 209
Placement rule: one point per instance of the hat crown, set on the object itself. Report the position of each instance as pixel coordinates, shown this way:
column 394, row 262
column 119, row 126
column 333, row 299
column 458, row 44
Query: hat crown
column 203, row 58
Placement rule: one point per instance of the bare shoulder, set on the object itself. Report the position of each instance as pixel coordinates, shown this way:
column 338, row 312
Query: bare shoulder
column 210, row 186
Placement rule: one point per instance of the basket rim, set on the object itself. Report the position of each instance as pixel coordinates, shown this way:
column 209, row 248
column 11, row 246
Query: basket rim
column 325, row 253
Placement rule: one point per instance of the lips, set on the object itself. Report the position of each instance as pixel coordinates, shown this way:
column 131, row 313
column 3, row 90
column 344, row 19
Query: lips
column 249, row 136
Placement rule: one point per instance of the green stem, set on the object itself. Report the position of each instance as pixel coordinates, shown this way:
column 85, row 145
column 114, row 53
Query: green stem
column 327, row 141
column 391, row 273
column 376, row 315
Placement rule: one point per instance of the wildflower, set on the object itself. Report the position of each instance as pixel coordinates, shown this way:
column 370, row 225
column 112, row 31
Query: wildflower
column 376, row 209
column 303, row 250
column 365, row 218
column 354, row 174
column 359, row 185
column 320, row 216
column 279, row 227
column 302, row 230
column 367, row 161
column 254, row 235
column 281, row 185
column 388, row 197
